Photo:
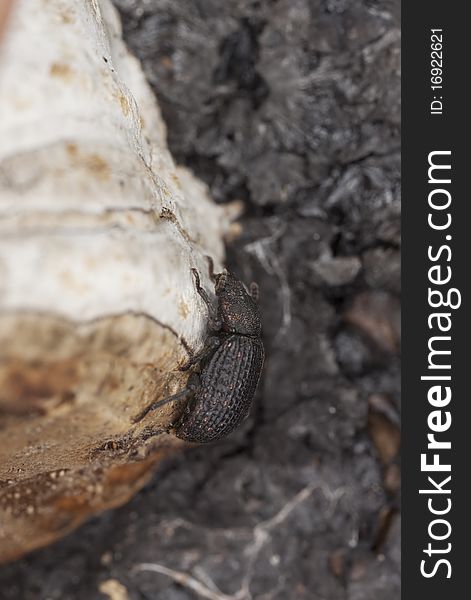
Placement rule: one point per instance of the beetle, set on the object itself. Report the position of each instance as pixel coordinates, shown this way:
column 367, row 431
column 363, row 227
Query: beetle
column 220, row 391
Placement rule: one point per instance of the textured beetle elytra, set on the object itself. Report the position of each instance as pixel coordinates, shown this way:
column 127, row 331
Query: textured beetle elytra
column 226, row 372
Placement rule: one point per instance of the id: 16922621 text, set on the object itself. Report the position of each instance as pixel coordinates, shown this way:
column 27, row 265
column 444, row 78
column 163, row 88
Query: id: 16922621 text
column 436, row 71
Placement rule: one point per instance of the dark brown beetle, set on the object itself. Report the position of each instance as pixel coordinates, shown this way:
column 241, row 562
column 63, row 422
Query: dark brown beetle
column 221, row 392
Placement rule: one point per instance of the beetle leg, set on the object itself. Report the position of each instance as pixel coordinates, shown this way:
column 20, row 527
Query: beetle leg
column 213, row 319
column 209, row 347
column 201, row 291
column 184, row 394
column 212, row 274
column 254, row 291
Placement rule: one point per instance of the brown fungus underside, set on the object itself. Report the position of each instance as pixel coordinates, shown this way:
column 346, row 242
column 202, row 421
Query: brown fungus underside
column 68, row 447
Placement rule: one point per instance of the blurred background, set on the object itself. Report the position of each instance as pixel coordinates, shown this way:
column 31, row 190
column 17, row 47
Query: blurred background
column 292, row 107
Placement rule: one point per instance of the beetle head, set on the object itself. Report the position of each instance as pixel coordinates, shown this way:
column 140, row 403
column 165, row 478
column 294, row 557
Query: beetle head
column 237, row 309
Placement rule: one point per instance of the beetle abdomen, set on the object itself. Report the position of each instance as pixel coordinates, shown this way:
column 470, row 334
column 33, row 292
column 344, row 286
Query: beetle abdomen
column 228, row 384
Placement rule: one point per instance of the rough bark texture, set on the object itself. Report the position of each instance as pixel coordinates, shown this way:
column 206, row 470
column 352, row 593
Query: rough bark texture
column 292, row 106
